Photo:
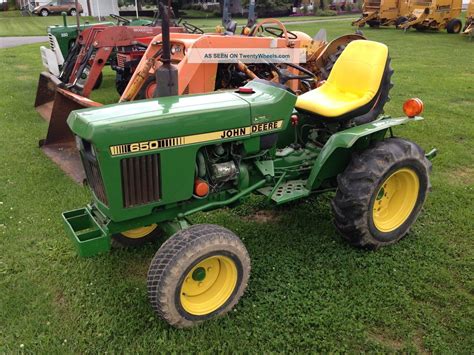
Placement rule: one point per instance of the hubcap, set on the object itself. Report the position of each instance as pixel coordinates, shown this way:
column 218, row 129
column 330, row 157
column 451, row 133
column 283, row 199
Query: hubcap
column 395, row 200
column 141, row 232
column 208, row 285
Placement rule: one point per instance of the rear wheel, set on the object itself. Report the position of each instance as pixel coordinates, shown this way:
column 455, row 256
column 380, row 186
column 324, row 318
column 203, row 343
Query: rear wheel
column 138, row 236
column 454, row 26
column 374, row 24
column 197, row 274
column 73, row 12
column 400, row 20
column 381, row 193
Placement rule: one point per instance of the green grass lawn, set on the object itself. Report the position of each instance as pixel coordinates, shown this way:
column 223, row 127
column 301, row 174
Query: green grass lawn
column 12, row 24
column 309, row 290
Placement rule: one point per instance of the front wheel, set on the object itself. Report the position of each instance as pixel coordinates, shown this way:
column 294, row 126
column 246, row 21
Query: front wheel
column 197, row 274
column 454, row 26
column 148, row 88
column 44, row 12
column 73, row 12
column 138, row 236
column 381, row 193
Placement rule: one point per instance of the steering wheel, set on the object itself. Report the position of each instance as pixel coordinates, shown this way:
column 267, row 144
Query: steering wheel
column 190, row 28
column 120, row 19
column 279, row 26
column 284, row 76
column 278, row 32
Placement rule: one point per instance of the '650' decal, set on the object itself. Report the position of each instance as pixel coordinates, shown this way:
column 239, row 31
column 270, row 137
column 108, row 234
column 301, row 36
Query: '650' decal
column 196, row 138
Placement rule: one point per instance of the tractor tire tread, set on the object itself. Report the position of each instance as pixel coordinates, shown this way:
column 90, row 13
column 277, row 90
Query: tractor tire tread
column 356, row 186
column 174, row 256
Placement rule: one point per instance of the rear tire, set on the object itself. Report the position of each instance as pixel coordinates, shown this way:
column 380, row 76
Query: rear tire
column 374, row 24
column 197, row 274
column 400, row 20
column 381, row 193
column 73, row 12
column 454, row 26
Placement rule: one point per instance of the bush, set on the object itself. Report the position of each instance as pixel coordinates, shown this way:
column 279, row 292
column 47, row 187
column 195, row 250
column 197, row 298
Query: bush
column 325, row 13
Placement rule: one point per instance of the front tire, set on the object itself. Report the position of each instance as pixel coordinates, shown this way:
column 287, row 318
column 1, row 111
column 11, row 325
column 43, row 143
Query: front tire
column 73, row 12
column 381, row 193
column 148, row 88
column 454, row 26
column 138, row 236
column 44, row 13
column 197, row 274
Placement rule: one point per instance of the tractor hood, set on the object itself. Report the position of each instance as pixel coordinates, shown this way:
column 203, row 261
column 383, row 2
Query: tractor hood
column 181, row 115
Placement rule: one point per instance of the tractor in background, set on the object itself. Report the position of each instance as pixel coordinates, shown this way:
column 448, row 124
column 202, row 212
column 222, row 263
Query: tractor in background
column 152, row 164
column 378, row 13
column 62, row 38
column 192, row 78
column 468, row 29
column 434, row 15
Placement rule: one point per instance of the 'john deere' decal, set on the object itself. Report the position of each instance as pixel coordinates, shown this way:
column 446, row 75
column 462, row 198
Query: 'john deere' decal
column 196, row 138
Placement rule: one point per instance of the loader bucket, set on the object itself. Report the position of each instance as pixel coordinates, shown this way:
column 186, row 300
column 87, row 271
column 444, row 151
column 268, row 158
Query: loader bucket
column 45, row 93
column 59, row 144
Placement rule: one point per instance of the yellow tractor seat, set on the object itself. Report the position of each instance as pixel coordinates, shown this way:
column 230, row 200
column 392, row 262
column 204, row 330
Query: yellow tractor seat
column 353, row 86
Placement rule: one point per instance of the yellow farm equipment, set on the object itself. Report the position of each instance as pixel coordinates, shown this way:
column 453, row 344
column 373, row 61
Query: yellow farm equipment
column 434, row 15
column 383, row 13
column 469, row 26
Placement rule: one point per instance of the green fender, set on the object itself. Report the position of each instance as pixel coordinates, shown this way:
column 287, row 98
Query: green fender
column 335, row 154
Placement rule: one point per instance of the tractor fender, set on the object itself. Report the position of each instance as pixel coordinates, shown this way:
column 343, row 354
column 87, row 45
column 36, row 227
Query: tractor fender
column 335, row 154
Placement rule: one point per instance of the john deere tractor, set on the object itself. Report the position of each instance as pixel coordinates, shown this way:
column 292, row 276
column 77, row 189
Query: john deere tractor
column 151, row 164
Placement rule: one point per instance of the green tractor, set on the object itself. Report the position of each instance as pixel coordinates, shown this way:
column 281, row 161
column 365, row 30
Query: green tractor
column 151, row 164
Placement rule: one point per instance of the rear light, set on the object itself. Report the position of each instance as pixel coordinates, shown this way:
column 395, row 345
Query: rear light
column 413, row 107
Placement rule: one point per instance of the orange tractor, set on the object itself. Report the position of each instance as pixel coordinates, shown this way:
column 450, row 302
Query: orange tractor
column 193, row 78
column 434, row 15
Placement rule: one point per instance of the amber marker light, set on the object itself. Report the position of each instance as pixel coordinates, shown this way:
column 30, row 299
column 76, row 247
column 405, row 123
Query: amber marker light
column 413, row 107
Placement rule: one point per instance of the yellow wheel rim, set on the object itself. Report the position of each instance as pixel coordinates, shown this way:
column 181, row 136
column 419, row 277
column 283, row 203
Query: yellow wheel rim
column 395, row 200
column 141, row 232
column 208, row 285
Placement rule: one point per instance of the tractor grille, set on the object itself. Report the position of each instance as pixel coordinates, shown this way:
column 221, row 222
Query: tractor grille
column 51, row 42
column 141, row 180
column 94, row 177
column 121, row 60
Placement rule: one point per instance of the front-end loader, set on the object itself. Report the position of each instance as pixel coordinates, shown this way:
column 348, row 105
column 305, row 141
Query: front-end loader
column 468, row 29
column 378, row 13
column 81, row 71
column 202, row 77
column 152, row 164
column 434, row 15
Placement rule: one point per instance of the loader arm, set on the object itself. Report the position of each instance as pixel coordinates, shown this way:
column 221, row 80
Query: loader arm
column 366, row 17
column 417, row 16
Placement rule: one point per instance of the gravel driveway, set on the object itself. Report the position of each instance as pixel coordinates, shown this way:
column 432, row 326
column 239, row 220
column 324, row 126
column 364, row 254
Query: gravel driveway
column 6, row 42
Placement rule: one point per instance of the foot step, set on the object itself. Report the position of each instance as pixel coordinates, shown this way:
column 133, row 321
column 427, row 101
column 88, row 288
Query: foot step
column 288, row 191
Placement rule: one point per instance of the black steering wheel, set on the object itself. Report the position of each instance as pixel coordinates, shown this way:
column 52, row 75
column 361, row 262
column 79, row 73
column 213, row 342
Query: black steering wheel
column 284, row 76
column 278, row 32
column 120, row 19
column 190, row 28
